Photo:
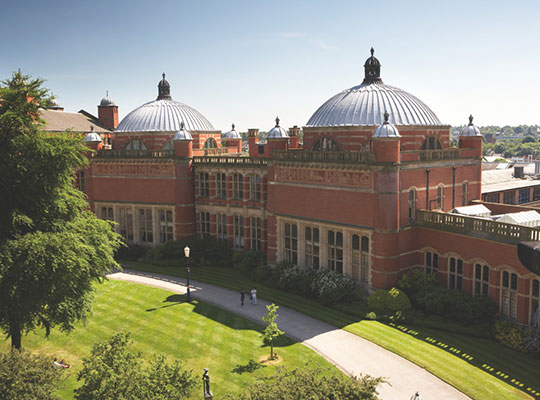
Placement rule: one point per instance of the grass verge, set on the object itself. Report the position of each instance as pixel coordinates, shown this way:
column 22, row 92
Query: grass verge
column 480, row 368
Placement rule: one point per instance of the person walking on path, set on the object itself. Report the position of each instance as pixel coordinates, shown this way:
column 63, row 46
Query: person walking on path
column 254, row 296
column 242, row 296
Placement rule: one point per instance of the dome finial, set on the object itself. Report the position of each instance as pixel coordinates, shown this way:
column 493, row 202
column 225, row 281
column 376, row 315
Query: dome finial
column 106, row 93
column 182, row 125
column 372, row 51
column 233, row 127
column 386, row 115
column 91, row 128
column 470, row 119
column 372, row 69
column 164, row 89
column 277, row 121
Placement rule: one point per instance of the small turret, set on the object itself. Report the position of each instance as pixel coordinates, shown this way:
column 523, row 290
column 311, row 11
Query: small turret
column 470, row 137
column 386, row 142
column 108, row 112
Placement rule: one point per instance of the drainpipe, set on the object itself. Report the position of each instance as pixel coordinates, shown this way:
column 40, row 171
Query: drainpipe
column 427, row 188
column 453, row 187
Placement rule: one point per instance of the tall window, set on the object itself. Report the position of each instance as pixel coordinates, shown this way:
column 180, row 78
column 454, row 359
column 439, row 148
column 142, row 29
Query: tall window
column 335, row 251
column 107, row 213
column 205, row 224
column 455, row 274
column 222, row 227
column 255, row 187
column 125, row 223
column 312, row 247
column 221, row 186
column 256, row 243
column 165, row 226
column 364, row 271
column 135, row 145
column 238, row 232
column 80, row 181
column 536, row 194
column 431, row 143
column 535, row 302
column 145, row 225
column 464, row 190
column 439, row 197
column 509, row 294
column 524, row 195
column 238, row 189
column 210, row 143
column 509, row 197
column 291, row 243
column 432, row 263
column 481, row 280
column 325, row 144
column 204, row 188
column 412, row 204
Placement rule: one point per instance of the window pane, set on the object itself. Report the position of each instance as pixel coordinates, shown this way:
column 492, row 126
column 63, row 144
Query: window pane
column 478, row 271
column 505, row 279
column 536, row 288
column 513, row 282
column 356, row 242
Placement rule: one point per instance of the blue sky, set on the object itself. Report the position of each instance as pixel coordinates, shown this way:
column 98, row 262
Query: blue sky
column 249, row 61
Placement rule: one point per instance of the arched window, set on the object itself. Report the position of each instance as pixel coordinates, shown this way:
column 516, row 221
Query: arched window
column 455, row 273
column 535, row 302
column 432, row 263
column 509, row 294
column 481, row 279
column 412, row 204
column 210, row 143
column 325, row 144
column 431, row 143
column 136, row 145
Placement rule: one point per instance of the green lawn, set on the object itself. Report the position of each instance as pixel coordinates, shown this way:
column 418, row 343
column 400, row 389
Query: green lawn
column 481, row 368
column 199, row 334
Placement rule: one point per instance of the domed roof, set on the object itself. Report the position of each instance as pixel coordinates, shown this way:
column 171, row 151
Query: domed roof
column 386, row 130
column 92, row 136
column 164, row 115
column 182, row 134
column 232, row 134
column 366, row 103
column 107, row 101
column 277, row 132
column 471, row 129
column 55, row 105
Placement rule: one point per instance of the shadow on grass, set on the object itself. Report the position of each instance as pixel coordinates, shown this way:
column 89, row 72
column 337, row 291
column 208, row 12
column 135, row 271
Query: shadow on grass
column 493, row 358
column 250, row 367
column 174, row 298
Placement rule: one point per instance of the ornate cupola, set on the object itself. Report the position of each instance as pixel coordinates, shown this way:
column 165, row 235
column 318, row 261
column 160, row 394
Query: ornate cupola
column 164, row 89
column 372, row 70
column 471, row 129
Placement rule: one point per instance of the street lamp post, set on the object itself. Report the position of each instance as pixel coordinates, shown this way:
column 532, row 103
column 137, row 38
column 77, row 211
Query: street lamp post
column 186, row 253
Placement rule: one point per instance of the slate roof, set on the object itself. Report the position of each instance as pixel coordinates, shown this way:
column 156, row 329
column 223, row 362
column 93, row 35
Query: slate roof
column 60, row 121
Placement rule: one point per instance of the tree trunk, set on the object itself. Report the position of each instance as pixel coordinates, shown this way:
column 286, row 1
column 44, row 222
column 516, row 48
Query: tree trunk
column 271, row 350
column 15, row 333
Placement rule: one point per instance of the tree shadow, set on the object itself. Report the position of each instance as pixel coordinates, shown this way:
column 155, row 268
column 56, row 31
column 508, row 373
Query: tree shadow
column 173, row 298
column 250, row 367
column 485, row 354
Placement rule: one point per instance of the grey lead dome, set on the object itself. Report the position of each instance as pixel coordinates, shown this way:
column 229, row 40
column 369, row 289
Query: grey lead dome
column 366, row 103
column 164, row 115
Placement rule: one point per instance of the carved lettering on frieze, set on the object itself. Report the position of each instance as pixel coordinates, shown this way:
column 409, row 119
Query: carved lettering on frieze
column 134, row 169
column 325, row 177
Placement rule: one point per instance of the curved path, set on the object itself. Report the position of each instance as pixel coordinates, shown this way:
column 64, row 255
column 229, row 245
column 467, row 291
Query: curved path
column 348, row 352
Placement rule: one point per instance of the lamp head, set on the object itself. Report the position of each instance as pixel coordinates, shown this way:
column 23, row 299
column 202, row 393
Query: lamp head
column 186, row 251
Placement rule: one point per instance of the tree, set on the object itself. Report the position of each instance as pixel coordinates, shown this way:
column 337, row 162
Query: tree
column 52, row 247
column 113, row 372
column 313, row 383
column 28, row 376
column 271, row 332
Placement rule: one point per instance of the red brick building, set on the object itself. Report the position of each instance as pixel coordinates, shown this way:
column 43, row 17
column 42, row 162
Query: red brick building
column 368, row 191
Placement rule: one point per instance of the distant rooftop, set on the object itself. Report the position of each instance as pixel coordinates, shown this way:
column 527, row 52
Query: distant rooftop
column 60, row 121
column 496, row 180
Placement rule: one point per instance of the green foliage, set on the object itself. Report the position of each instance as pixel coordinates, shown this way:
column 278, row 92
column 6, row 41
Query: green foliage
column 313, row 383
column 389, row 303
column 203, row 251
column 51, row 246
column 27, row 376
column 426, row 295
column 249, row 261
column 131, row 252
column 511, row 335
column 113, row 372
column 271, row 332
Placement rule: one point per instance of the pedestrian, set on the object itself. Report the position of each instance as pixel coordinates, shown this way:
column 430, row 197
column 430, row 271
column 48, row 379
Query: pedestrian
column 242, row 296
column 254, row 296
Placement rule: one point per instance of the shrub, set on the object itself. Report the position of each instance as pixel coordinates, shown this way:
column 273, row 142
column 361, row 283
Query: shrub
column 511, row 335
column 391, row 302
column 131, row 252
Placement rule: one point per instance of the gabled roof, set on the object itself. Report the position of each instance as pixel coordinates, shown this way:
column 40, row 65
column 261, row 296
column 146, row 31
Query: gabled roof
column 60, row 121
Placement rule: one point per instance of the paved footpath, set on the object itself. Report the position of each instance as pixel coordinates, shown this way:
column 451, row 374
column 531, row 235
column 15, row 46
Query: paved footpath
column 348, row 352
